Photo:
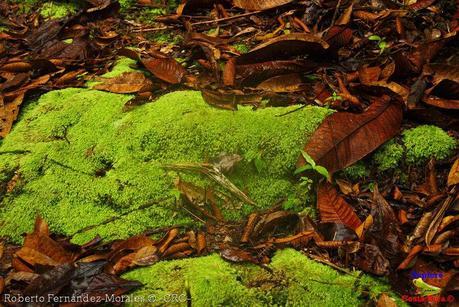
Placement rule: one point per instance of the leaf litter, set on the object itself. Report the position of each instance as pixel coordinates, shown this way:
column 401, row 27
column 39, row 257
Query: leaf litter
column 375, row 63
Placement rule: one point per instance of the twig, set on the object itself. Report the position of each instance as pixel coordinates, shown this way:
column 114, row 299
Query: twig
column 115, row 218
column 152, row 29
column 225, row 18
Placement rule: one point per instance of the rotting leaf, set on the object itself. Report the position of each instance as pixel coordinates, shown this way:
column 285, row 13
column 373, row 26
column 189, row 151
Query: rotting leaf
column 344, row 138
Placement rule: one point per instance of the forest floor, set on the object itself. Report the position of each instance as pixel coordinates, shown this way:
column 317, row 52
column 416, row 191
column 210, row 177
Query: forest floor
column 233, row 152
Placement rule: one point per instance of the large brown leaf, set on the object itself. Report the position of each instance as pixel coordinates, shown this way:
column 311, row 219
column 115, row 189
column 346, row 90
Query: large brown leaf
column 285, row 46
column 165, row 69
column 344, row 138
column 259, row 5
column 334, row 208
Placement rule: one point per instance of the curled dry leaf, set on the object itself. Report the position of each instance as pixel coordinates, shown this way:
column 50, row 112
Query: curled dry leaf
column 259, row 5
column 334, row 208
column 166, row 69
column 344, row 138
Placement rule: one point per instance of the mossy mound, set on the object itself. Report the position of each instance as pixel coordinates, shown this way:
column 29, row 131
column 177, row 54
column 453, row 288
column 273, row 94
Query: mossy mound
column 415, row 147
column 78, row 160
column 295, row 280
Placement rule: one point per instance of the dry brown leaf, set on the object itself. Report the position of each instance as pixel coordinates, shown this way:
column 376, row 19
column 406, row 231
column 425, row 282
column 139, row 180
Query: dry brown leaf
column 334, row 208
column 126, row 83
column 453, row 176
column 386, row 301
column 259, row 5
column 344, row 138
column 167, row 69
column 360, row 231
column 282, row 84
column 229, row 73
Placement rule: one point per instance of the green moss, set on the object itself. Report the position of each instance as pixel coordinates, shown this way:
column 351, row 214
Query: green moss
column 295, row 280
column 56, row 10
column 84, row 160
column 425, row 142
column 356, row 171
column 241, row 48
column 388, row 156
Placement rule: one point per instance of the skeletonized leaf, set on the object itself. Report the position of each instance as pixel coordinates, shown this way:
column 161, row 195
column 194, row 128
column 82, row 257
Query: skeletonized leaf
column 333, row 207
column 168, row 70
column 344, row 138
column 259, row 5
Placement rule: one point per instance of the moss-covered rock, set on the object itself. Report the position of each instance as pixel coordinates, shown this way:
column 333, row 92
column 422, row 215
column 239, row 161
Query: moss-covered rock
column 81, row 160
column 294, row 280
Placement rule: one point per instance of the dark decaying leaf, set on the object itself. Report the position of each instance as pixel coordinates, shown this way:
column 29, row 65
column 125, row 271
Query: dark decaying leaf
column 284, row 46
column 253, row 74
column 385, row 221
column 165, row 69
column 370, row 259
column 259, row 5
column 334, row 208
column 444, row 92
column 344, row 138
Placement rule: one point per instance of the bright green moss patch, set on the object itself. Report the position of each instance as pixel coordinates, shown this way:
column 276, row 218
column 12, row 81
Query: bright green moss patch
column 295, row 280
column 56, row 9
column 389, row 156
column 425, row 142
column 82, row 160
column 241, row 48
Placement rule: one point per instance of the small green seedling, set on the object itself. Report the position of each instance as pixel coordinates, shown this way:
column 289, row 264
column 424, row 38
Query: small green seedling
column 382, row 44
column 334, row 97
column 311, row 165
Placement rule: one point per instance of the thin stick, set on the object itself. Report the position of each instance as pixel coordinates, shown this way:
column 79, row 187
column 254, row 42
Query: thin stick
column 225, row 18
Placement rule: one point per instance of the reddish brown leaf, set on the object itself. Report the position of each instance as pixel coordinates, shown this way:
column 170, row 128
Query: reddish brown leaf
column 282, row 84
column 128, row 82
column 344, row 138
column 334, row 208
column 165, row 69
column 229, row 72
column 259, row 5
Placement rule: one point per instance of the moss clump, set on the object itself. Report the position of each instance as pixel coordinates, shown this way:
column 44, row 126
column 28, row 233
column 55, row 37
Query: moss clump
column 241, row 48
column 356, row 171
column 56, row 10
column 389, row 156
column 425, row 142
column 296, row 280
column 82, row 160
